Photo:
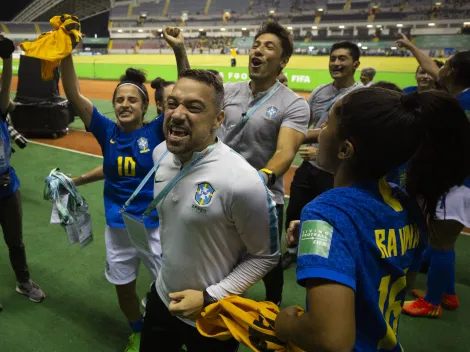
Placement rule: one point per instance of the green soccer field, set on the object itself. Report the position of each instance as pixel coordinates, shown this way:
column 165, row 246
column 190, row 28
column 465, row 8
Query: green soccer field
column 81, row 311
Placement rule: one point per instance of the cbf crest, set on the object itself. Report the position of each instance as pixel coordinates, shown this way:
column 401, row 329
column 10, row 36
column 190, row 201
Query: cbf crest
column 204, row 193
column 143, row 144
column 271, row 112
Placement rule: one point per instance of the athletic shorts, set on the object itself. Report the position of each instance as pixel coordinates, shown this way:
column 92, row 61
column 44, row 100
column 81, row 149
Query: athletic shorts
column 457, row 206
column 123, row 260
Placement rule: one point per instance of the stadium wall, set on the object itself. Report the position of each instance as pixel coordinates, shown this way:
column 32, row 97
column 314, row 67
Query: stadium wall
column 299, row 79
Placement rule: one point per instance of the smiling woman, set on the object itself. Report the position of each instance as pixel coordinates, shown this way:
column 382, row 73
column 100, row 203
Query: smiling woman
column 127, row 159
column 131, row 100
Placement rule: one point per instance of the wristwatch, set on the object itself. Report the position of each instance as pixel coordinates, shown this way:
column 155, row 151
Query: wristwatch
column 208, row 299
column 271, row 176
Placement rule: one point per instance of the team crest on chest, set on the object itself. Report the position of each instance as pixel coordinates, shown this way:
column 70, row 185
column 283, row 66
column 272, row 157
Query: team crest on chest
column 143, row 144
column 271, row 112
column 204, row 193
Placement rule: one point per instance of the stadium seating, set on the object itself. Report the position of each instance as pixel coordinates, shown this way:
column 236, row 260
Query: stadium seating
column 152, row 9
column 219, row 6
column 21, row 28
column 251, row 12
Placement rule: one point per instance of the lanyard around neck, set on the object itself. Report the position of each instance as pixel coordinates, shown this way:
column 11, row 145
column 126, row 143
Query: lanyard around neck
column 164, row 192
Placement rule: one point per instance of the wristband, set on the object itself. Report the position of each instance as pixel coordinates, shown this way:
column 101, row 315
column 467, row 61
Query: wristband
column 208, row 299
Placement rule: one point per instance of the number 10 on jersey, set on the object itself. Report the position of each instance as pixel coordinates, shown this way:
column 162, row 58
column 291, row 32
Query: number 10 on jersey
column 126, row 166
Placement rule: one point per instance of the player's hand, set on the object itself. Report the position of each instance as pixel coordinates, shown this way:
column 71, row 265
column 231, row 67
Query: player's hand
column 308, row 153
column 404, row 42
column 174, row 37
column 292, row 233
column 283, row 320
column 187, row 304
column 6, row 47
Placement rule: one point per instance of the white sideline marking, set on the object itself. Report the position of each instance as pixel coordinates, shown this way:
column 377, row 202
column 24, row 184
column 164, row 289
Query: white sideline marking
column 65, row 149
column 98, row 156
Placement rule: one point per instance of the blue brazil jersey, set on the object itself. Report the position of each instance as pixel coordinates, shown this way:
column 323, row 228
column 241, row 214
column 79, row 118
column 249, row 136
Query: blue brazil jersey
column 5, row 166
column 127, row 159
column 409, row 90
column 366, row 237
column 464, row 100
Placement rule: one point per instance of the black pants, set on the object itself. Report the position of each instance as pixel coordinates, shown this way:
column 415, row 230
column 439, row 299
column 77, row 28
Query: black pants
column 274, row 280
column 308, row 183
column 165, row 332
column 11, row 221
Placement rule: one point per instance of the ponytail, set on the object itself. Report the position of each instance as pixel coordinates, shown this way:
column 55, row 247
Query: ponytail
column 428, row 130
column 442, row 159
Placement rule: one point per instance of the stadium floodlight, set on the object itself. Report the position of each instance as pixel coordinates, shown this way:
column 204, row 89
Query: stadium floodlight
column 271, row 11
column 227, row 13
column 314, row 27
column 289, row 28
column 160, row 30
column 399, row 25
column 370, row 26
column 379, row 26
column 359, row 45
column 119, row 30
column 364, row 48
column 222, row 29
column 140, row 30
column 394, row 48
column 431, row 24
column 243, row 29
column 438, row 4
column 466, row 23
column 320, row 9
column 201, row 29
column 341, row 27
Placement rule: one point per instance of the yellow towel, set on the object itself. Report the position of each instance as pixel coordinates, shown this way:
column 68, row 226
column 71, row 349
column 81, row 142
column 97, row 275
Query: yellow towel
column 53, row 46
column 248, row 321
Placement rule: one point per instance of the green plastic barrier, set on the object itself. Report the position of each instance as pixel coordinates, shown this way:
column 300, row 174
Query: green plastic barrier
column 299, row 79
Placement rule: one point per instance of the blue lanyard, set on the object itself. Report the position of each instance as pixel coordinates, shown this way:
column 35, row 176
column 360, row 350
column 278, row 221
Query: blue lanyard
column 268, row 95
column 330, row 104
column 144, row 181
column 164, row 192
column 339, row 95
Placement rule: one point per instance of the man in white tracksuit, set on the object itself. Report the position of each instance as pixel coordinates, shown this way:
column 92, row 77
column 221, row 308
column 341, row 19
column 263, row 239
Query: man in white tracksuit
column 218, row 223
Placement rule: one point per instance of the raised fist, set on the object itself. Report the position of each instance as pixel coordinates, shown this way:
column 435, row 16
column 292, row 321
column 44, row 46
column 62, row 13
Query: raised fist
column 6, row 47
column 174, row 37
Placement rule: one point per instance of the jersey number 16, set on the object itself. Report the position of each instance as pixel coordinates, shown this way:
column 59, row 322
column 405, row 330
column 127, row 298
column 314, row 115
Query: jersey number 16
column 392, row 313
column 126, row 166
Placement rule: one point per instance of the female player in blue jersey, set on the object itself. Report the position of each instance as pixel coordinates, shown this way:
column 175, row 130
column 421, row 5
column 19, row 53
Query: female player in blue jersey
column 162, row 91
column 127, row 147
column 454, row 76
column 361, row 243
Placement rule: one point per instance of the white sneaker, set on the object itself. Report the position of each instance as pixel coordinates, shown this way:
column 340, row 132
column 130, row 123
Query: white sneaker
column 30, row 290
